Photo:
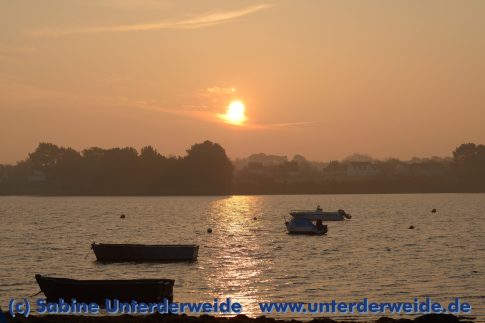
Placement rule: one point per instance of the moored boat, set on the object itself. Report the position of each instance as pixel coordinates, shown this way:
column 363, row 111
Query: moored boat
column 97, row 291
column 305, row 226
column 319, row 214
column 143, row 252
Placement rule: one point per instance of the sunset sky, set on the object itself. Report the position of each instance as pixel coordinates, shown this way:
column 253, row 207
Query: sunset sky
column 324, row 79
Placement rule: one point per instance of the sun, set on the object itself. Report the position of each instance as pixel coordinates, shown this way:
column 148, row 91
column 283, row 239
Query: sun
column 235, row 113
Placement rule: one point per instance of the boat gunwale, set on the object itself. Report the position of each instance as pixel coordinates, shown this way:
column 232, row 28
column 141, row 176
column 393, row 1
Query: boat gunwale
column 312, row 211
column 72, row 281
column 140, row 245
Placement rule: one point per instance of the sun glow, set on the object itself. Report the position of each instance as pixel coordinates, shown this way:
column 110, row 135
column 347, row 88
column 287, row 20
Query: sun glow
column 235, row 113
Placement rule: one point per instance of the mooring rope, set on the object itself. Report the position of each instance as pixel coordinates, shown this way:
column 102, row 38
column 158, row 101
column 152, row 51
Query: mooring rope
column 89, row 251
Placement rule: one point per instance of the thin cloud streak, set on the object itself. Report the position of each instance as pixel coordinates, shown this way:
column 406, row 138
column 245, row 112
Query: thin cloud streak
column 190, row 23
column 208, row 116
column 289, row 124
column 281, row 125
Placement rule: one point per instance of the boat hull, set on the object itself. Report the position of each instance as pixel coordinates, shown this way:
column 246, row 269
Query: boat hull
column 305, row 226
column 319, row 215
column 97, row 291
column 144, row 253
column 310, row 233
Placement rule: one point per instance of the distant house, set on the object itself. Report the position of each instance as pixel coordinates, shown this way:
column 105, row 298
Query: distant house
column 361, row 169
column 334, row 169
column 37, row 176
column 421, row 169
column 267, row 160
column 291, row 167
column 428, row 169
column 255, row 168
column 402, row 169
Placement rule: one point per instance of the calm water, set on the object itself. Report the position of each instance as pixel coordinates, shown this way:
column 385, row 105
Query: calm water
column 373, row 255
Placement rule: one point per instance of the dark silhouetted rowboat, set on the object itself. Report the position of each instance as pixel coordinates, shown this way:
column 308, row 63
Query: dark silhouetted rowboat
column 143, row 252
column 97, row 291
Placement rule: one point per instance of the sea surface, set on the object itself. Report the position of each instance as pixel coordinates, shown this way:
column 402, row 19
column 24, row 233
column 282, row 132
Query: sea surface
column 249, row 256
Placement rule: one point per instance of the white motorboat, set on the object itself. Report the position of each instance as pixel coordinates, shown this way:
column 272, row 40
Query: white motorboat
column 305, row 226
column 319, row 214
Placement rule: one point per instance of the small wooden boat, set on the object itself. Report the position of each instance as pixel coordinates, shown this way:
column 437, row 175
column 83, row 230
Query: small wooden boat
column 97, row 291
column 143, row 252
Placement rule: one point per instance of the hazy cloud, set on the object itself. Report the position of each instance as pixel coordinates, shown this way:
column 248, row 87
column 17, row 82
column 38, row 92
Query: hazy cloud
column 199, row 21
column 221, row 90
column 290, row 124
column 14, row 50
column 10, row 53
column 126, row 4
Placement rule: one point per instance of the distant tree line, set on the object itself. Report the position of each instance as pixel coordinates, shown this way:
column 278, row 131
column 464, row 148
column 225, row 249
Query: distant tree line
column 464, row 171
column 206, row 170
column 51, row 169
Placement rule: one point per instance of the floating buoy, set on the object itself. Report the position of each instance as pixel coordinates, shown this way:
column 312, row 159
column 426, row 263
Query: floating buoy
column 122, row 216
column 433, row 211
column 411, row 227
column 209, row 230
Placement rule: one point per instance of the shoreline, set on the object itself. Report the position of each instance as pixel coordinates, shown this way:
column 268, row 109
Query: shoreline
column 241, row 318
column 234, row 194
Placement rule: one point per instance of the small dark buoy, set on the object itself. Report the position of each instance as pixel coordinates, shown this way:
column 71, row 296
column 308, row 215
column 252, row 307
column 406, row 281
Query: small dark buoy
column 433, row 211
column 209, row 230
column 122, row 216
column 411, row 227
column 255, row 218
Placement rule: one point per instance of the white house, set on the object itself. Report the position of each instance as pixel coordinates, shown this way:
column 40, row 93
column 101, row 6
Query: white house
column 361, row 169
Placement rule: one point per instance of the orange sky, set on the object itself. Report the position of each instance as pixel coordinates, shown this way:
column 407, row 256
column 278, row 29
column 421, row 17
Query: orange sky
column 323, row 79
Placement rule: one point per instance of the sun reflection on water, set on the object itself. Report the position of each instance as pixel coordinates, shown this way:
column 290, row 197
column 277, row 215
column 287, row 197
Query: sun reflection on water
column 237, row 247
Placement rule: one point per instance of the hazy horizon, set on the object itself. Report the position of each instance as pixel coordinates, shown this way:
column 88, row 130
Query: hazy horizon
column 322, row 79
column 290, row 156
